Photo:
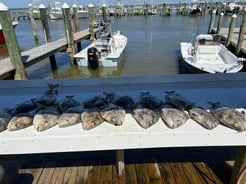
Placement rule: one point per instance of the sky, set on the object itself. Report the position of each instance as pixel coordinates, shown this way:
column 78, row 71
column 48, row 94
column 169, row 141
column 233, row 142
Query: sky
column 24, row 3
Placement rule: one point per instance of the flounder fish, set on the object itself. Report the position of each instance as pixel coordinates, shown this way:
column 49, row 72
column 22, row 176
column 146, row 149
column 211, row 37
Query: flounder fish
column 203, row 117
column 22, row 120
column 120, row 100
column 113, row 114
column 95, row 102
column 229, row 117
column 173, row 118
column 25, row 106
column 4, row 120
column 145, row 117
column 178, row 101
column 71, row 117
column 49, row 97
column 91, row 118
column 149, row 101
column 45, row 119
column 67, row 103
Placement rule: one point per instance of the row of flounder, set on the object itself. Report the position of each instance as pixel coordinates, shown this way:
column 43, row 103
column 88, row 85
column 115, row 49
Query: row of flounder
column 45, row 112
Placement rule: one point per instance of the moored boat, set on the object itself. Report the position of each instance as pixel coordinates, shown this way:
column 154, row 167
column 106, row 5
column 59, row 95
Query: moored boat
column 56, row 10
column 106, row 51
column 2, row 40
column 209, row 55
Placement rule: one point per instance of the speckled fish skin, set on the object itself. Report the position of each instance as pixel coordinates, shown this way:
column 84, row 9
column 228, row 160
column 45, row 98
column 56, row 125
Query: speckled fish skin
column 67, row 103
column 178, row 101
column 145, row 117
column 49, row 97
column 173, row 117
column 204, row 118
column 71, row 117
column 113, row 114
column 45, row 119
column 149, row 101
column 91, row 118
column 21, row 121
column 230, row 117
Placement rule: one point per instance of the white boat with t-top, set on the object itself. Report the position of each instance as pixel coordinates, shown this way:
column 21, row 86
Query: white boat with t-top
column 209, row 55
column 106, row 51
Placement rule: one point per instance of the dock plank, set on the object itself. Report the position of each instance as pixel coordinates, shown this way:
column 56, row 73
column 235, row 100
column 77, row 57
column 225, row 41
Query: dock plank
column 106, row 172
column 142, row 171
column 47, row 173
column 94, row 173
column 130, row 172
column 34, row 55
column 58, row 174
column 155, row 167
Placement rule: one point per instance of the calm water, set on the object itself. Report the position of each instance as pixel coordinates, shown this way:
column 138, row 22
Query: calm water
column 153, row 45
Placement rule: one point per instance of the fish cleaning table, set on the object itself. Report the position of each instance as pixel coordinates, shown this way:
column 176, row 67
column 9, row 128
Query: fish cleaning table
column 229, row 89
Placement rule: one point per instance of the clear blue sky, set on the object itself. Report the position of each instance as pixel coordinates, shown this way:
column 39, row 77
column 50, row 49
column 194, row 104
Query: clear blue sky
column 24, row 3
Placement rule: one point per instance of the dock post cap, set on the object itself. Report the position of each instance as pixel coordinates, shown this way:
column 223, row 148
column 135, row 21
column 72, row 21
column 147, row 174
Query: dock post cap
column 91, row 5
column 41, row 6
column 234, row 15
column 65, row 5
column 214, row 11
column 3, row 7
column 74, row 6
column 221, row 13
column 104, row 5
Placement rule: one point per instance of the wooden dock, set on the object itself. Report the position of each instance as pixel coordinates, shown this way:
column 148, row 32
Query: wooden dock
column 39, row 53
column 224, row 34
column 148, row 166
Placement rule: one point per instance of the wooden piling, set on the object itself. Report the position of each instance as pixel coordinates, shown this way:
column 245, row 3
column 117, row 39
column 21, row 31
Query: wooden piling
column 231, row 29
column 44, row 20
column 241, row 34
column 34, row 25
column 68, row 30
column 76, row 18
column 211, row 23
column 104, row 14
column 11, row 42
column 219, row 22
column 120, row 162
column 76, row 23
column 91, row 9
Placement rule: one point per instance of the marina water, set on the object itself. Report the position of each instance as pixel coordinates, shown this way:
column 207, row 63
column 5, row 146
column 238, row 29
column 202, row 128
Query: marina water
column 152, row 49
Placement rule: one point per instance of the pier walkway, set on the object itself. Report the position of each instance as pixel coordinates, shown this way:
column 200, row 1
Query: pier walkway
column 41, row 52
column 224, row 33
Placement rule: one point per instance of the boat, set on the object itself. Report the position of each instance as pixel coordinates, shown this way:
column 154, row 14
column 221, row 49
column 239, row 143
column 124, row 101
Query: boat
column 35, row 10
column 232, row 7
column 106, row 51
column 56, row 10
column 209, row 55
column 83, row 12
column 2, row 40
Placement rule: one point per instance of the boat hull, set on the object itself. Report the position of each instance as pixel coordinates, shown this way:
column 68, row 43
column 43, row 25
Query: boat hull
column 2, row 39
column 105, row 62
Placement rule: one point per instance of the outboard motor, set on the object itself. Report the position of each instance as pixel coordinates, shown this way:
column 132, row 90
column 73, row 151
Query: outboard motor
column 93, row 58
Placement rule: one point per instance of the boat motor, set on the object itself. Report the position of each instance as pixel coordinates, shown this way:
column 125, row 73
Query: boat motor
column 93, row 58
